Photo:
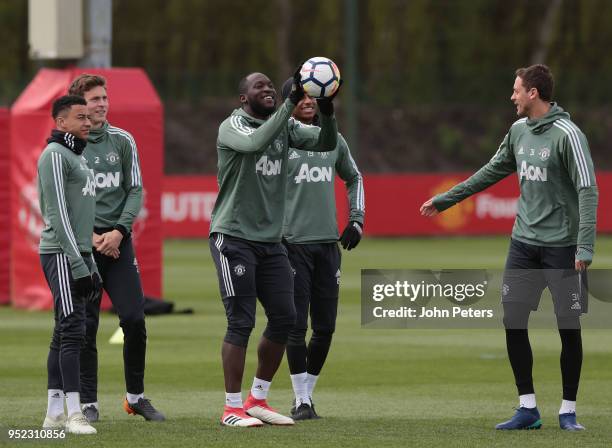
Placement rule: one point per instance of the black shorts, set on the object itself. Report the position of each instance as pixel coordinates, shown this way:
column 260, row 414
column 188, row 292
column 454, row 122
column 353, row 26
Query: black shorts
column 248, row 270
column 530, row 269
column 316, row 269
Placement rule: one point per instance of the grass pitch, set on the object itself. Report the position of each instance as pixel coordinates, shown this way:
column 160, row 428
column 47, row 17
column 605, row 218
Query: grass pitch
column 426, row 388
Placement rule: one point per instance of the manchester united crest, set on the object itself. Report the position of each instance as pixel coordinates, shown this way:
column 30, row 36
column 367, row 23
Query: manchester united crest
column 239, row 270
column 112, row 158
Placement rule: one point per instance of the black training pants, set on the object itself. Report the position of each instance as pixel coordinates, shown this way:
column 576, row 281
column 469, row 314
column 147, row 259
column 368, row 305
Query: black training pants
column 69, row 311
column 121, row 280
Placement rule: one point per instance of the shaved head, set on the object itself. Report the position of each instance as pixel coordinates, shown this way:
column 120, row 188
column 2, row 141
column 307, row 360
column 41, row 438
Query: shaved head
column 257, row 95
column 243, row 85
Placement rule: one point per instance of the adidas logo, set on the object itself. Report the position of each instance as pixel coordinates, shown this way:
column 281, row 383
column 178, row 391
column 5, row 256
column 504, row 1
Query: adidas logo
column 521, row 151
column 294, row 155
column 231, row 419
column 576, row 306
column 259, row 387
column 338, row 273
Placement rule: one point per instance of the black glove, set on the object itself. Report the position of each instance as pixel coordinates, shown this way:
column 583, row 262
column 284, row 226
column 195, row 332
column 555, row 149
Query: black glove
column 96, row 293
column 83, row 286
column 351, row 236
column 297, row 91
column 326, row 107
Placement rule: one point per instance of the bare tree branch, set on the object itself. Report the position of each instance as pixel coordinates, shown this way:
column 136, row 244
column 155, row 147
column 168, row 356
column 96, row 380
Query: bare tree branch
column 546, row 32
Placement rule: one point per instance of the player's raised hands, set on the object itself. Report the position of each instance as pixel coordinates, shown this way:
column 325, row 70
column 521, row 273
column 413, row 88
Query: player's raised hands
column 297, row 91
column 428, row 209
column 325, row 104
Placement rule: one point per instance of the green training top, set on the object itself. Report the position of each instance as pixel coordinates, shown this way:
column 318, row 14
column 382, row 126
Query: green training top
column 310, row 216
column 111, row 152
column 558, row 202
column 67, row 197
column 252, row 164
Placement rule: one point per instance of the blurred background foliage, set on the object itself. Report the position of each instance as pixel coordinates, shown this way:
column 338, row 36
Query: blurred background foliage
column 434, row 77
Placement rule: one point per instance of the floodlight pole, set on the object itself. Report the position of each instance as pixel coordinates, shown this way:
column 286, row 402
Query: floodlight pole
column 349, row 94
column 98, row 33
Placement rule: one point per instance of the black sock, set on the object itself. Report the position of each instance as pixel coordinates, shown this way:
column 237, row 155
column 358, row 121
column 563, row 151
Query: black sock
column 296, row 358
column 134, row 354
column 54, row 375
column 571, row 361
column 318, row 348
column 521, row 359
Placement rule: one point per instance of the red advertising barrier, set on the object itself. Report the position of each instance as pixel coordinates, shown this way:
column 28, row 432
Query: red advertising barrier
column 5, row 210
column 392, row 205
column 187, row 203
column 135, row 107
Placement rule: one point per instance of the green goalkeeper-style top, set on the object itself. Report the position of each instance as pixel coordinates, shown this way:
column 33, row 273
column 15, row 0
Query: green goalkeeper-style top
column 558, row 202
column 67, row 198
column 310, row 216
column 252, row 170
column 111, row 152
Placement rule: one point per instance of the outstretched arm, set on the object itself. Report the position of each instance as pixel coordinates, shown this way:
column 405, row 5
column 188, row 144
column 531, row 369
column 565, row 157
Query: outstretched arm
column 236, row 134
column 501, row 165
column 314, row 138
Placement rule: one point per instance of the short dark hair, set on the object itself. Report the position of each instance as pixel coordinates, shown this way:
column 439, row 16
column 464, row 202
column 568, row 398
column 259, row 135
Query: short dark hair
column 84, row 83
column 243, row 85
column 65, row 103
column 539, row 77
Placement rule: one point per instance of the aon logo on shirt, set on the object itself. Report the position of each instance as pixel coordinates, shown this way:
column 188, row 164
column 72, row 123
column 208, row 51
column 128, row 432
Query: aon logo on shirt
column 531, row 172
column 107, row 180
column 268, row 167
column 314, row 174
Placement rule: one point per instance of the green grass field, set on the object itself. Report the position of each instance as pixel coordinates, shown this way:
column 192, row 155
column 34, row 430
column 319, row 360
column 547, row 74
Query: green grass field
column 426, row 388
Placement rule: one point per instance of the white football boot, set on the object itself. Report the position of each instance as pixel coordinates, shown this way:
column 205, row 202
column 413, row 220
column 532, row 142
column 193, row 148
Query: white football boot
column 260, row 409
column 58, row 422
column 77, row 424
column 237, row 417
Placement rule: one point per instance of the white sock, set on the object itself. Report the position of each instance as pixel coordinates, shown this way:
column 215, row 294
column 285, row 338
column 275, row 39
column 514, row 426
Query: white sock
column 300, row 388
column 55, row 403
column 527, row 401
column 311, row 382
column 133, row 398
column 260, row 388
column 233, row 399
column 94, row 404
column 567, row 407
column 73, row 403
